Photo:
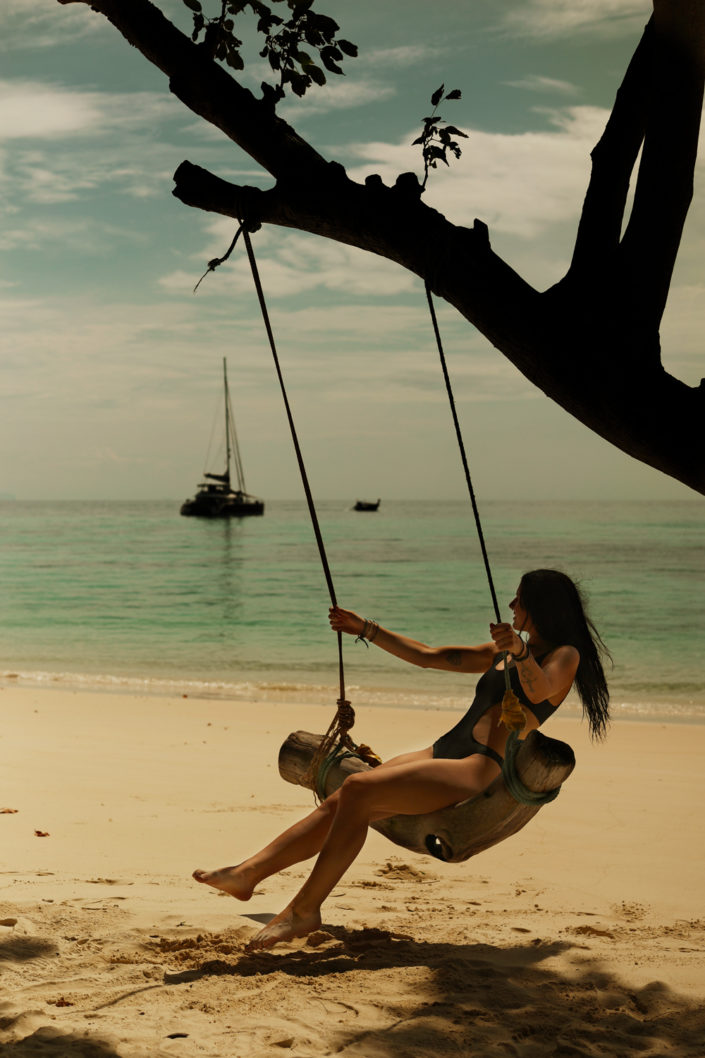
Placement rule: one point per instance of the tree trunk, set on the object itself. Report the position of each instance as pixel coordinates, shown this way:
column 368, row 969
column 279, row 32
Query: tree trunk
column 454, row 834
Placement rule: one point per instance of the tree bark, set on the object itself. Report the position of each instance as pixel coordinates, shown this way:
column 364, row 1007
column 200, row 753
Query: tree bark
column 591, row 343
column 454, row 834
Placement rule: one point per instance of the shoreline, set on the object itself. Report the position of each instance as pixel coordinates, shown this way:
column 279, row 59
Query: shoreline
column 581, row 934
column 656, row 707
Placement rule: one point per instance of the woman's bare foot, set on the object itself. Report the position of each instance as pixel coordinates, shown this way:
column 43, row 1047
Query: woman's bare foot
column 285, row 926
column 237, row 881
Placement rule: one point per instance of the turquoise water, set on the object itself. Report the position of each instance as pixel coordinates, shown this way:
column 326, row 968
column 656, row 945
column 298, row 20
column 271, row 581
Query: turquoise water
column 133, row 596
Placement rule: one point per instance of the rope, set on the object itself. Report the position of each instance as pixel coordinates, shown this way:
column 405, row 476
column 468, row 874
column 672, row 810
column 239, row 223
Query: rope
column 461, row 445
column 514, row 784
column 510, row 703
column 361, row 752
column 338, row 754
column 345, row 715
column 337, row 733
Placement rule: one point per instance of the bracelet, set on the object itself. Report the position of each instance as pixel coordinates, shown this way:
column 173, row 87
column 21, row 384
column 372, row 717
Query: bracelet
column 368, row 633
column 361, row 638
column 525, row 653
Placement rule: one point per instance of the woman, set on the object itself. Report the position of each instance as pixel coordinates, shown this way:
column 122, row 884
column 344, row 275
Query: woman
column 562, row 647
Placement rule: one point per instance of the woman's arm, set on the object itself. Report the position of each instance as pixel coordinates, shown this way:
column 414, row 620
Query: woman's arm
column 451, row 659
column 551, row 680
column 539, row 682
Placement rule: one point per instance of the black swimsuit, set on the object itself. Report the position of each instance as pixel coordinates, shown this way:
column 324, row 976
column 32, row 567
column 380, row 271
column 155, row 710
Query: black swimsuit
column 460, row 741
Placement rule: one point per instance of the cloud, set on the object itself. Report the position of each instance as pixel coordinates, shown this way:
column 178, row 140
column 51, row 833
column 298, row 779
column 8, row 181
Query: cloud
column 87, row 236
column 89, row 388
column 73, row 350
column 51, row 177
column 519, row 183
column 30, row 109
column 44, row 110
column 125, row 363
column 528, row 187
column 560, row 18
column 335, row 267
column 42, row 24
column 537, row 83
column 372, row 341
column 337, row 94
column 401, row 56
column 294, row 264
column 341, row 92
column 66, row 142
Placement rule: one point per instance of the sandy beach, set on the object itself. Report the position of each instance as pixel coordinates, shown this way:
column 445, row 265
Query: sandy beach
column 583, row 935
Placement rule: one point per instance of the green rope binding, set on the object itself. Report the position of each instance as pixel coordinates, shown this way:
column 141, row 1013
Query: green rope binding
column 338, row 754
column 516, row 787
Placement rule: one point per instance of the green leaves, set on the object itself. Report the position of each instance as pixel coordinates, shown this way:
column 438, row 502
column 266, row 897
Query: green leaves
column 297, row 68
column 436, row 139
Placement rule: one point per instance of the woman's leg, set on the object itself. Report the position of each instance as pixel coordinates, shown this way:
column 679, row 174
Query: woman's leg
column 301, row 841
column 418, row 786
column 406, row 758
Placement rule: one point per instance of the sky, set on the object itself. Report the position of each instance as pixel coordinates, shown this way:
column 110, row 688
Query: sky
column 111, row 365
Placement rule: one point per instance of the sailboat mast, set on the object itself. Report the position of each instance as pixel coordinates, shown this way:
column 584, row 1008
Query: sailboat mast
column 233, row 446
column 227, row 418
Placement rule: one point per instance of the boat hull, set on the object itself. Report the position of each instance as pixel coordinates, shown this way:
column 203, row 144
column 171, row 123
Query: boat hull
column 232, row 506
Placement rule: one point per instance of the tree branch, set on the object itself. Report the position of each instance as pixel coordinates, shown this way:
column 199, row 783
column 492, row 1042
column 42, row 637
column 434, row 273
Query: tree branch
column 457, row 262
column 208, row 90
column 591, row 343
column 613, row 159
column 673, row 88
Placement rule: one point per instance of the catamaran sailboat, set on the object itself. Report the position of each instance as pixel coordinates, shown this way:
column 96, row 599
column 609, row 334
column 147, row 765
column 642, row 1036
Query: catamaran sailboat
column 217, row 498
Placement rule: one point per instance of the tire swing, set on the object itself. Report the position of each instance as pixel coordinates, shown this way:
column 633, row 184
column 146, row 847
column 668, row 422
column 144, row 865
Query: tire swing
column 533, row 769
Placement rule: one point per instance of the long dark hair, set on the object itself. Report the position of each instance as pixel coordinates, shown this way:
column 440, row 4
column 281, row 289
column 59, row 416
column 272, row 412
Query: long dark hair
column 557, row 609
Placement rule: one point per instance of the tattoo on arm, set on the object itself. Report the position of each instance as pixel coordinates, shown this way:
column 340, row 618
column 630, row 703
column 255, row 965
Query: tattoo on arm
column 528, row 677
column 454, row 657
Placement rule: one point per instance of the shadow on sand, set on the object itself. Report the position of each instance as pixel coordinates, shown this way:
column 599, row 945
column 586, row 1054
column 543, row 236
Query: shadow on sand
column 52, row 1043
column 475, row 999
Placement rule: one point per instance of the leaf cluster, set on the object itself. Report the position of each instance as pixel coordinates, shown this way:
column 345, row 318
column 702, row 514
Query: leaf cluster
column 436, row 138
column 300, row 49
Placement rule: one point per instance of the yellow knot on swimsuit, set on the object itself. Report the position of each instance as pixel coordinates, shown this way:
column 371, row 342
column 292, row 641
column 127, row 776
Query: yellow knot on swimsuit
column 513, row 716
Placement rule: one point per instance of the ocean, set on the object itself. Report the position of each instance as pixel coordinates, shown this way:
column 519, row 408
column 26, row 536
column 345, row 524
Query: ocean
column 131, row 597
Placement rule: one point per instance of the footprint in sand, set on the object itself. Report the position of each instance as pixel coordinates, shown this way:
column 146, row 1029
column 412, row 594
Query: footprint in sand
column 106, row 881
column 590, row 931
column 400, row 870
column 630, row 911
